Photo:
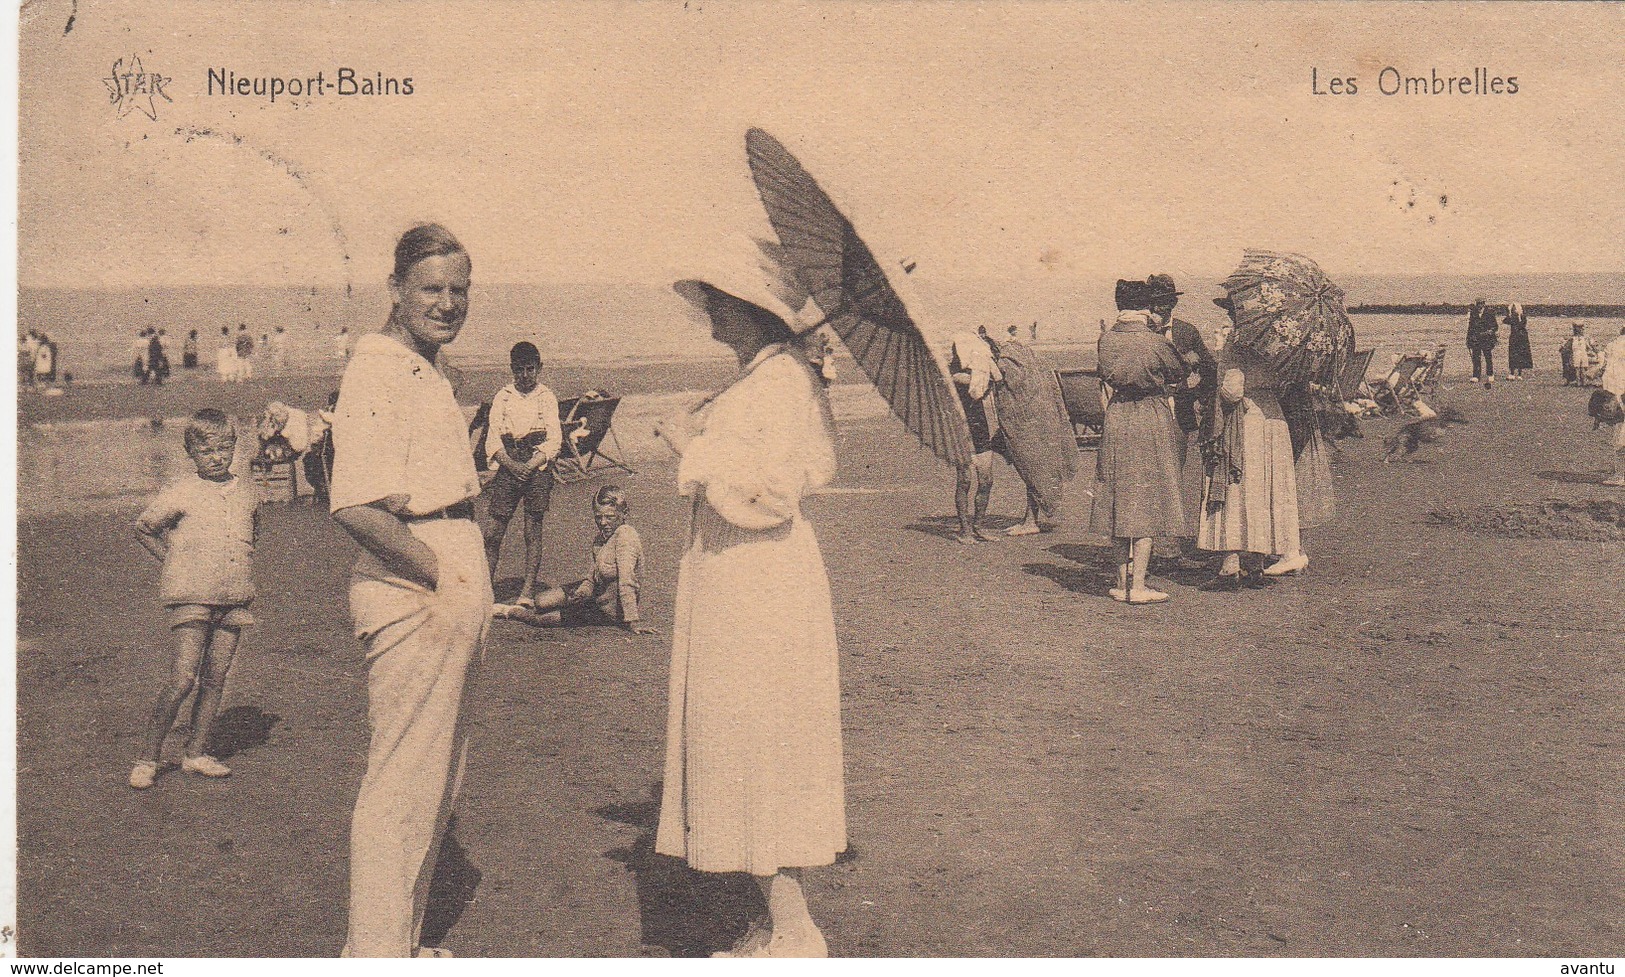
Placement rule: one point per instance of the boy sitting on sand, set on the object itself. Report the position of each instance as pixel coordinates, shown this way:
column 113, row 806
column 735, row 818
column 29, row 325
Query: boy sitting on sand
column 611, row 593
column 203, row 528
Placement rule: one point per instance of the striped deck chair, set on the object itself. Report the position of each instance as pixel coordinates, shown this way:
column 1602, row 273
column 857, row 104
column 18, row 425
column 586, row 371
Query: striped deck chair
column 1080, row 393
column 587, row 423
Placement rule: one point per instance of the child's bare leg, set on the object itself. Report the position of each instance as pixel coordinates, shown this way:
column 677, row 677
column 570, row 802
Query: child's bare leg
column 963, row 486
column 191, row 639
column 552, row 599
column 984, row 492
column 216, row 663
column 494, row 530
column 533, row 553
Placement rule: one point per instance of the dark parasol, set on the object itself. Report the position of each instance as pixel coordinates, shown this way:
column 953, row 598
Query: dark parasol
column 841, row 275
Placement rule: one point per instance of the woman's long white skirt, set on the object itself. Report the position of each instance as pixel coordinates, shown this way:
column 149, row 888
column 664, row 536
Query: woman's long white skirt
column 753, row 748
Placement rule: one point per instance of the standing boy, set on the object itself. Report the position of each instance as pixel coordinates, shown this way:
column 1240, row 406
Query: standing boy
column 202, row 527
column 524, row 438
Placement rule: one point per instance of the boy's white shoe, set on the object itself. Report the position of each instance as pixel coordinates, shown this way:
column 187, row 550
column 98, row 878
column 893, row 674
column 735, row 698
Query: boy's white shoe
column 206, row 765
column 143, row 774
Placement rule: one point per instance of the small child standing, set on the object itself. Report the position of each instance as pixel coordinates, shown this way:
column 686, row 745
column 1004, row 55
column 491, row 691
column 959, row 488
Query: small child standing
column 203, row 528
column 611, row 593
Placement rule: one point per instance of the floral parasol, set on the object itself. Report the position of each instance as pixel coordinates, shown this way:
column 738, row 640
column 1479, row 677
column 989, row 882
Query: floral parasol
column 1287, row 311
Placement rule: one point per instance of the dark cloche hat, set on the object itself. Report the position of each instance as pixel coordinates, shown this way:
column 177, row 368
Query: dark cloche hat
column 1133, row 295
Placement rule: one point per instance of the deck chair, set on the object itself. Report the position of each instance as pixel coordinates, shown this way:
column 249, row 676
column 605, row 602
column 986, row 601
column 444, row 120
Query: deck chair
column 1397, row 392
column 1080, row 393
column 587, row 425
column 1348, row 384
column 1429, row 381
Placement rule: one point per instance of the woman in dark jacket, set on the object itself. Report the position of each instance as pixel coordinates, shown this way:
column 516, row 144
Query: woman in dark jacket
column 1482, row 327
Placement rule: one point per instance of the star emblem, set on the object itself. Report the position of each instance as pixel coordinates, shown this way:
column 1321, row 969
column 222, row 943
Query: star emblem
column 131, row 87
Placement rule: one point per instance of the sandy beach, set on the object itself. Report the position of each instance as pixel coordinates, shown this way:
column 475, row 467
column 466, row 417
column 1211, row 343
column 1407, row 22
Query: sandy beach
column 1413, row 749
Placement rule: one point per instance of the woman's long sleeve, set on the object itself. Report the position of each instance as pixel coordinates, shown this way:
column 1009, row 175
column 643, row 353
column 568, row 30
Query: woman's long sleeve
column 764, row 445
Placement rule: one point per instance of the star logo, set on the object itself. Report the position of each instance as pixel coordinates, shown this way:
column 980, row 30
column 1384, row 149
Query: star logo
column 131, row 87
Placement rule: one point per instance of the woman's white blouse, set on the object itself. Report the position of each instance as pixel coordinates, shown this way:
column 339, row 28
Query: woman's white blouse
column 397, row 430
column 765, row 443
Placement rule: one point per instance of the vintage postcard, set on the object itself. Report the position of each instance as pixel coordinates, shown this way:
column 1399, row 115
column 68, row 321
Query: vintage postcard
column 1013, row 479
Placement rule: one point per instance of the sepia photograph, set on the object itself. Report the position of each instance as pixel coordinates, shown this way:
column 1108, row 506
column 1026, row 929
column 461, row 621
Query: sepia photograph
column 1017, row 479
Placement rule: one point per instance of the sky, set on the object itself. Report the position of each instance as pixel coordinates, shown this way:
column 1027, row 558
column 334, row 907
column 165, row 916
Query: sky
column 604, row 142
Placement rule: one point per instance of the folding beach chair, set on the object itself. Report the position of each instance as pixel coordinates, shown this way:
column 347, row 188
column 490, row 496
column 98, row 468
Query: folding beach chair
column 1352, row 378
column 587, row 423
column 1429, row 381
column 1397, row 392
column 1080, row 392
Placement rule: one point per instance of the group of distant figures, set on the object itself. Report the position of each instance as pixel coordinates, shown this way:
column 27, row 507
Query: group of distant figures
column 1582, row 360
column 37, row 360
column 234, row 362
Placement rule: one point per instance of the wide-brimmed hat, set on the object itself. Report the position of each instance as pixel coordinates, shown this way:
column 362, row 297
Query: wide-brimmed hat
column 743, row 270
column 1162, row 287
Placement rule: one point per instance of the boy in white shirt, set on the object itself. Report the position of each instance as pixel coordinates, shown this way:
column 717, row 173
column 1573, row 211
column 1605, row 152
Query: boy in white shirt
column 524, row 438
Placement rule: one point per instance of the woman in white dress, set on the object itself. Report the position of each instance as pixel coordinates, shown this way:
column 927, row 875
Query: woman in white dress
column 753, row 779
column 1250, row 497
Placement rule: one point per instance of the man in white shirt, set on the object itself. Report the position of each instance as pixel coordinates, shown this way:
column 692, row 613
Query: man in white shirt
column 523, row 440
column 1613, row 381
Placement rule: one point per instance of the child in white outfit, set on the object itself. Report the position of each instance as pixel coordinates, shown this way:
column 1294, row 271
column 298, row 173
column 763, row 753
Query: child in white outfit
column 203, row 528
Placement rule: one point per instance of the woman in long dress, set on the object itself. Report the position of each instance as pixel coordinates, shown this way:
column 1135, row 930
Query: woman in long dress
column 753, row 779
column 1311, row 462
column 1519, row 356
column 1250, row 496
column 1138, row 495
column 420, row 596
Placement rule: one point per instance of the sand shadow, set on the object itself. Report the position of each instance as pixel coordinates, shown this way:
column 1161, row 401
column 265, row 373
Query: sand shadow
column 1078, row 580
column 947, row 527
column 1574, row 478
column 1084, row 554
column 688, row 913
column 241, row 728
column 505, row 589
column 451, row 888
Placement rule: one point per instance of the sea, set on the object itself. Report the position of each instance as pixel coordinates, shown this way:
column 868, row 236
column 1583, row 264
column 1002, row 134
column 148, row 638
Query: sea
column 625, row 325
column 95, row 331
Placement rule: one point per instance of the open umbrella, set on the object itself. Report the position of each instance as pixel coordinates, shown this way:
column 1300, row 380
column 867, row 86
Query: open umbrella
column 858, row 301
column 1290, row 313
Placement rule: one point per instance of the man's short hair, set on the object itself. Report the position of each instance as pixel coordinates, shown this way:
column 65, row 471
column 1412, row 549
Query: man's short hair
column 210, row 422
column 524, row 354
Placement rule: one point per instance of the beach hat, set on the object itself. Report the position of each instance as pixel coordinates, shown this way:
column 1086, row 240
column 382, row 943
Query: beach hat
column 1162, row 287
column 746, row 271
column 1133, row 295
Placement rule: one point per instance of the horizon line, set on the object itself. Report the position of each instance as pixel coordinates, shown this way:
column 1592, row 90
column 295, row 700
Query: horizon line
column 660, row 283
